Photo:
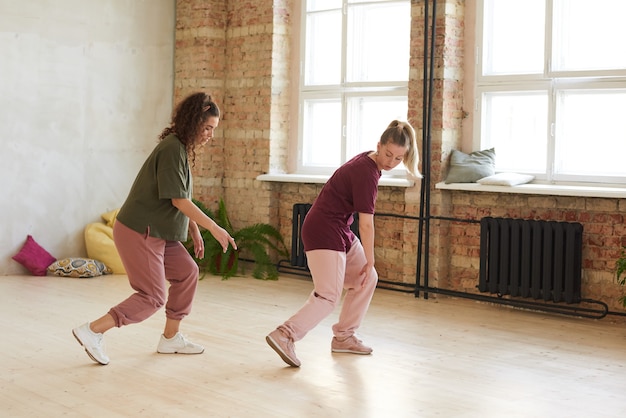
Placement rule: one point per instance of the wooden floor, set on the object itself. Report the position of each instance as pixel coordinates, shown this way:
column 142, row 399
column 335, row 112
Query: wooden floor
column 432, row 358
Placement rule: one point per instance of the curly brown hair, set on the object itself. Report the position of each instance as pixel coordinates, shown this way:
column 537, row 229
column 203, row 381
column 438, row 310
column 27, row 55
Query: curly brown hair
column 188, row 119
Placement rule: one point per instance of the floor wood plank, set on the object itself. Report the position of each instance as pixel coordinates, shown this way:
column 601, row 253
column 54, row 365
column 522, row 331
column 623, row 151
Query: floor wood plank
column 440, row 357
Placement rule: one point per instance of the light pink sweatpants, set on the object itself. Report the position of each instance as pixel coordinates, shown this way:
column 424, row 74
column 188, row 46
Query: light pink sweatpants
column 150, row 263
column 333, row 271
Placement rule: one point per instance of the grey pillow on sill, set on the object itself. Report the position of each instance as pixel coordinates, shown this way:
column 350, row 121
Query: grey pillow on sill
column 468, row 168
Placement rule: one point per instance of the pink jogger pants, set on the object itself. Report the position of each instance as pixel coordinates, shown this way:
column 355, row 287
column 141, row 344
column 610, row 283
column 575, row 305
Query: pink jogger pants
column 150, row 264
column 333, row 271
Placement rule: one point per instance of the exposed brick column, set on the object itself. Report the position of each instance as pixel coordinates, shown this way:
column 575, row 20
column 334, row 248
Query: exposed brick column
column 446, row 114
column 257, row 104
column 239, row 52
column 199, row 65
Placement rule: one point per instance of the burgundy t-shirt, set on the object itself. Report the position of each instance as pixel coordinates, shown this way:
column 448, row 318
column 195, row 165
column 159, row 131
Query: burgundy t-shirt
column 352, row 188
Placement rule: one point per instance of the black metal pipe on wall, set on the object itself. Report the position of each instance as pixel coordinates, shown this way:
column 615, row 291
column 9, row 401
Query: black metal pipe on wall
column 423, row 242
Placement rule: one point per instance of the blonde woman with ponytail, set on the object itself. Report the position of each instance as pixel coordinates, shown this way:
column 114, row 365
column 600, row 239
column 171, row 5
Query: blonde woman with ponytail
column 337, row 259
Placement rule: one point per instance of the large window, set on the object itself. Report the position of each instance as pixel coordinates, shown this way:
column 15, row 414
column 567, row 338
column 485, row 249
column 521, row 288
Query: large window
column 354, row 78
column 551, row 88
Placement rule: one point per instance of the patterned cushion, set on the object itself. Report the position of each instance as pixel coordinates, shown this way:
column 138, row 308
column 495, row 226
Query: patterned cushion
column 34, row 257
column 79, row 268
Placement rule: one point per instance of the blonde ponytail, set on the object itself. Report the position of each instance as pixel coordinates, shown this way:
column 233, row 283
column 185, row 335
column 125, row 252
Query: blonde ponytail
column 402, row 134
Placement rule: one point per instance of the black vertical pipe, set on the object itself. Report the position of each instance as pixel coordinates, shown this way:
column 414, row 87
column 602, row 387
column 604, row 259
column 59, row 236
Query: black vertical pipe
column 420, row 228
column 431, row 79
column 425, row 215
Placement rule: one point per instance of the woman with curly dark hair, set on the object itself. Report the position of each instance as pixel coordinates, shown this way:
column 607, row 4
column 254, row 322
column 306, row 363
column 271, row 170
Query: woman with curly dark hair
column 150, row 228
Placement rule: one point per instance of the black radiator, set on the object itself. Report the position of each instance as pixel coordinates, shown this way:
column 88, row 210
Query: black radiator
column 298, row 257
column 531, row 259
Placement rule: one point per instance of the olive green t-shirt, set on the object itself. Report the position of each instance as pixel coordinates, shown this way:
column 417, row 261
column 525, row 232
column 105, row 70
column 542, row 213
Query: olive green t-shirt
column 164, row 175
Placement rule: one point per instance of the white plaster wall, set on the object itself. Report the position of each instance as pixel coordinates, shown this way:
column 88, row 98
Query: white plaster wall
column 85, row 88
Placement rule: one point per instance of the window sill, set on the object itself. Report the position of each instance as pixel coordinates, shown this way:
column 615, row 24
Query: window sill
column 541, row 189
column 322, row 179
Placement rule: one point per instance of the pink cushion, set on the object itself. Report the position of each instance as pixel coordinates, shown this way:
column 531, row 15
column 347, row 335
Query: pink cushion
column 34, row 257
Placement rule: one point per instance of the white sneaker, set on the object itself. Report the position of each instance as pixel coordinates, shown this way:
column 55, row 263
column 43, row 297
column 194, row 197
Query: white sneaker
column 92, row 342
column 178, row 344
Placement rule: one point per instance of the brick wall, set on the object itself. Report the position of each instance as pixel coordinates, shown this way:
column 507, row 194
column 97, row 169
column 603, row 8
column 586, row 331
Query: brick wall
column 239, row 50
column 603, row 235
column 200, row 65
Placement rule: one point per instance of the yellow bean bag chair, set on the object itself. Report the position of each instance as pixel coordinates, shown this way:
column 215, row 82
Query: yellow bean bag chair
column 100, row 245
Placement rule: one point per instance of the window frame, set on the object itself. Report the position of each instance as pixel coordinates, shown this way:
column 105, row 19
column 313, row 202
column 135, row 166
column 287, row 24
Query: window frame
column 553, row 82
column 343, row 92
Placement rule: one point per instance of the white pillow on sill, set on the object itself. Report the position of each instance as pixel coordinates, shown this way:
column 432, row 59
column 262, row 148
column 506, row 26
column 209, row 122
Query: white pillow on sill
column 506, row 179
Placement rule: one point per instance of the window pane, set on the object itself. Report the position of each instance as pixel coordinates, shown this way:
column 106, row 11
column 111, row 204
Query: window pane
column 516, row 125
column 591, row 135
column 370, row 1
column 322, row 133
column 317, row 5
column 513, row 35
column 355, row 76
column 589, row 35
column 381, row 54
column 368, row 117
column 323, row 48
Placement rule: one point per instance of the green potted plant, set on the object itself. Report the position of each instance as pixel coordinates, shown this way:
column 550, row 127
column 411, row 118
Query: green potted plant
column 620, row 273
column 255, row 240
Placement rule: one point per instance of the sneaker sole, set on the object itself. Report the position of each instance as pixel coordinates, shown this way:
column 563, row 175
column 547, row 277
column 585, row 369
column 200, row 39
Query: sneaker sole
column 280, row 352
column 178, row 352
column 351, row 351
column 91, row 356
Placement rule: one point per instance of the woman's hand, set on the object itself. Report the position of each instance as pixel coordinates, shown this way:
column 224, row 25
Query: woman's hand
column 366, row 272
column 222, row 237
column 197, row 217
column 198, row 242
column 366, row 232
